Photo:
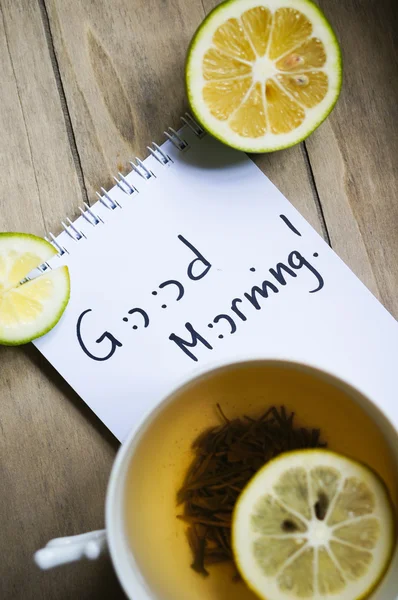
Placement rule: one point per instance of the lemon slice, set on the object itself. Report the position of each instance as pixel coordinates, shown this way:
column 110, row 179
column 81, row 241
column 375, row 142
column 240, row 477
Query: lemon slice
column 29, row 310
column 262, row 75
column 313, row 524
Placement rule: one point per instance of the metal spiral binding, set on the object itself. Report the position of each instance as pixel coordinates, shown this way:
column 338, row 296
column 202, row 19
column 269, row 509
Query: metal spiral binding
column 139, row 167
column 160, row 156
column 97, row 219
column 176, row 139
column 124, row 185
column 53, row 241
column 79, row 234
column 107, row 201
column 193, row 125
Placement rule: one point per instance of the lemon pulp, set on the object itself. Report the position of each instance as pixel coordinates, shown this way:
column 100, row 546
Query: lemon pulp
column 312, row 524
column 263, row 75
column 30, row 309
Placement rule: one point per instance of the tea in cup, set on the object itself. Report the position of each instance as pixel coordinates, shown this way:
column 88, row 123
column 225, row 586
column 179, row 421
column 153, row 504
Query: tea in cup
column 147, row 520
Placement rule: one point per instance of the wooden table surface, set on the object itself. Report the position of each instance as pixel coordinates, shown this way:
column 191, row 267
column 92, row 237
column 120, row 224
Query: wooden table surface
column 84, row 87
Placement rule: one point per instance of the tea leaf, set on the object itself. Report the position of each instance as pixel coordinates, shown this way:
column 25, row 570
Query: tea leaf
column 225, row 459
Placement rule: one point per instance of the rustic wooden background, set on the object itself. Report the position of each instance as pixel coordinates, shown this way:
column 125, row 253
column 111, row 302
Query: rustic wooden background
column 84, row 86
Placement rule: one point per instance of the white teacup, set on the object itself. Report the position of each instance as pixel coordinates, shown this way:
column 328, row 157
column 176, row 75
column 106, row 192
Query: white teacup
column 146, row 541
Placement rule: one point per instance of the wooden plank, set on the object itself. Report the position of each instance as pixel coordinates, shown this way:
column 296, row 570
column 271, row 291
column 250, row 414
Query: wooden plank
column 18, row 177
column 289, row 171
column 52, row 179
column 54, row 470
column 47, row 489
column 122, row 69
column 354, row 153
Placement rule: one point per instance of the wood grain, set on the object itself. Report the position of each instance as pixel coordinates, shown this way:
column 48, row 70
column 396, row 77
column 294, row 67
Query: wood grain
column 290, row 172
column 55, row 462
column 354, row 154
column 17, row 160
column 47, row 490
column 122, row 69
column 50, row 176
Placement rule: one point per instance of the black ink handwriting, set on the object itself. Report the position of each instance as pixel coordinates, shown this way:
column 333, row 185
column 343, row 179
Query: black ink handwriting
column 236, row 310
column 143, row 314
column 200, row 259
column 297, row 261
column 184, row 345
column 105, row 336
column 227, row 318
column 279, row 276
column 290, row 225
column 263, row 292
column 179, row 286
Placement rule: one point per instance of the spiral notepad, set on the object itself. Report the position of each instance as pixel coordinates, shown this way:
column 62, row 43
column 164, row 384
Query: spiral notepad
column 194, row 259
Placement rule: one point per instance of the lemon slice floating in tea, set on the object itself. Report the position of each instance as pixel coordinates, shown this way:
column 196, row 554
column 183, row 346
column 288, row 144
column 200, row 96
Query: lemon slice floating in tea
column 313, row 524
column 262, row 75
column 29, row 310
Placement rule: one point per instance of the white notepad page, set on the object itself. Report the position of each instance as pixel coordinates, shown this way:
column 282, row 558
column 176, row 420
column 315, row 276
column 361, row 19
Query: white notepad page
column 178, row 262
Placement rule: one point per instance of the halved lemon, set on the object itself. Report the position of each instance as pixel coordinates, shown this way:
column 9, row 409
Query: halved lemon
column 261, row 75
column 313, row 524
column 31, row 309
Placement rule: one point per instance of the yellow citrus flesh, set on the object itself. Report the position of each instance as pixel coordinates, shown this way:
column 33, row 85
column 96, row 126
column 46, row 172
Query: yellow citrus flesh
column 313, row 524
column 30, row 309
column 263, row 75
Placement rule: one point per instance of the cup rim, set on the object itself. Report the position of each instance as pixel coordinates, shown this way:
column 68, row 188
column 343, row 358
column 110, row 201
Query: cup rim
column 124, row 565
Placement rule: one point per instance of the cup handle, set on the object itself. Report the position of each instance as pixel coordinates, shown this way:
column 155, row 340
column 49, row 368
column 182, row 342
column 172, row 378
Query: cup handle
column 69, row 549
